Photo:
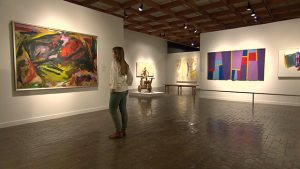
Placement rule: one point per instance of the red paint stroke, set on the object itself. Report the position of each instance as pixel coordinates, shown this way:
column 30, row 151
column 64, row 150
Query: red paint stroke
column 244, row 61
column 31, row 74
column 252, row 56
column 211, row 69
column 70, row 48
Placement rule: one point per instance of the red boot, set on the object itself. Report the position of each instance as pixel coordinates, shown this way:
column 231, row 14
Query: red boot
column 116, row 135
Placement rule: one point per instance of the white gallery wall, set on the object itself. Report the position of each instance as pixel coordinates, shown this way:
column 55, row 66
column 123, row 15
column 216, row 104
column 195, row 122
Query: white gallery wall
column 140, row 47
column 29, row 106
column 172, row 62
column 272, row 37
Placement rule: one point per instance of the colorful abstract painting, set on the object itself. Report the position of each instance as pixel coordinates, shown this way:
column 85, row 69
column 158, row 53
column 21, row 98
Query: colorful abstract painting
column 47, row 58
column 237, row 65
column 144, row 67
column 289, row 63
column 186, row 69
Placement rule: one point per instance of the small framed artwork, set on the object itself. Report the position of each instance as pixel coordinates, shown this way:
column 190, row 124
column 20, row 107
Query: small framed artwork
column 144, row 69
column 289, row 63
column 186, row 70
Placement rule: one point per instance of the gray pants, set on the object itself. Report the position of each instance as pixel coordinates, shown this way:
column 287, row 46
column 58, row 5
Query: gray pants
column 118, row 99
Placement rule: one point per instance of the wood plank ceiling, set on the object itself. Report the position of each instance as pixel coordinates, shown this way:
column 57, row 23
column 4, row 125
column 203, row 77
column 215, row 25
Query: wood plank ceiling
column 167, row 18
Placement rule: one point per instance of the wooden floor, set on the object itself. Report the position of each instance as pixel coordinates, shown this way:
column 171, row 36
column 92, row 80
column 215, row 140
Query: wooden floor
column 171, row 132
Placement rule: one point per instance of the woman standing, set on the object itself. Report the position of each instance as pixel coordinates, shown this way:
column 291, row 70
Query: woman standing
column 120, row 79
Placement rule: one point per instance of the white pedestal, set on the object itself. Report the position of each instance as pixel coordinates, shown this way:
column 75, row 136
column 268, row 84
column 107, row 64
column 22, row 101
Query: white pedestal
column 144, row 94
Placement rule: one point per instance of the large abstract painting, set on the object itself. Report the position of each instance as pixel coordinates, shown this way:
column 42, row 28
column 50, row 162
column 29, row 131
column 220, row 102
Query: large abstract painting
column 143, row 68
column 47, row 58
column 186, row 69
column 237, row 65
column 289, row 63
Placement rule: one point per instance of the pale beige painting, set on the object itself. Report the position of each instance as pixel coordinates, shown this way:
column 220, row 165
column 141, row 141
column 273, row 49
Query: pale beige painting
column 144, row 69
column 186, row 68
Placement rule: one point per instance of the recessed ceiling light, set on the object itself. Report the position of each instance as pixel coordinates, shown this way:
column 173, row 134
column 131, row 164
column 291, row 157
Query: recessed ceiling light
column 248, row 7
column 125, row 14
column 253, row 13
column 185, row 26
column 141, row 8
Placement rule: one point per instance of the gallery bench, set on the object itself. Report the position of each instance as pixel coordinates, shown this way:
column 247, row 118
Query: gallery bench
column 180, row 86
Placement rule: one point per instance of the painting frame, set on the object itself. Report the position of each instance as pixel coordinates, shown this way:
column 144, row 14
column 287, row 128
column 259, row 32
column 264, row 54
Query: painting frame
column 286, row 70
column 149, row 65
column 187, row 69
column 94, row 62
column 237, row 65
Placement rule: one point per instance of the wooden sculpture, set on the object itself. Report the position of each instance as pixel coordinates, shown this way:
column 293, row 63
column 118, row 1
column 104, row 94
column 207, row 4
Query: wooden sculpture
column 145, row 82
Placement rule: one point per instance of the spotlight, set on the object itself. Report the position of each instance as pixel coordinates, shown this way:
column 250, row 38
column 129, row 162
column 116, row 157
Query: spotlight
column 125, row 14
column 195, row 31
column 141, row 8
column 248, row 7
column 253, row 13
column 192, row 44
column 255, row 17
column 185, row 26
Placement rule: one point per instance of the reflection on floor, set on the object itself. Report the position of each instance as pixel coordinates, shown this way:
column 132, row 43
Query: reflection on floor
column 169, row 132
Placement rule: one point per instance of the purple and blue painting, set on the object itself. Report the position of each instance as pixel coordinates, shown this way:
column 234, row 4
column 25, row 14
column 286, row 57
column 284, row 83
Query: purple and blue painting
column 243, row 65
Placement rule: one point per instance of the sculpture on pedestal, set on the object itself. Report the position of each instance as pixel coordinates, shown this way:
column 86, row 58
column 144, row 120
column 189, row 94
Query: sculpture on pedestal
column 145, row 82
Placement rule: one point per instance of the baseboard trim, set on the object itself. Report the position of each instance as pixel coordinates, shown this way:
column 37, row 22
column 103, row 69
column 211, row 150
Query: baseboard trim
column 250, row 101
column 49, row 117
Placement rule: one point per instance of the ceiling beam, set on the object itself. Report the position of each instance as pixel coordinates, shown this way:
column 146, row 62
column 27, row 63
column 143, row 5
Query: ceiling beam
column 291, row 15
column 89, row 2
column 159, row 16
column 92, row 7
column 112, row 3
column 134, row 11
column 129, row 4
column 276, row 1
column 170, row 5
column 232, row 9
column 195, row 8
column 268, row 10
column 286, row 9
column 167, row 11
column 124, row 6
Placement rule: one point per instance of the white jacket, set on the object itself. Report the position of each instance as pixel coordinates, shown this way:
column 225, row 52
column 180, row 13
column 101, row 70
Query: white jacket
column 117, row 81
